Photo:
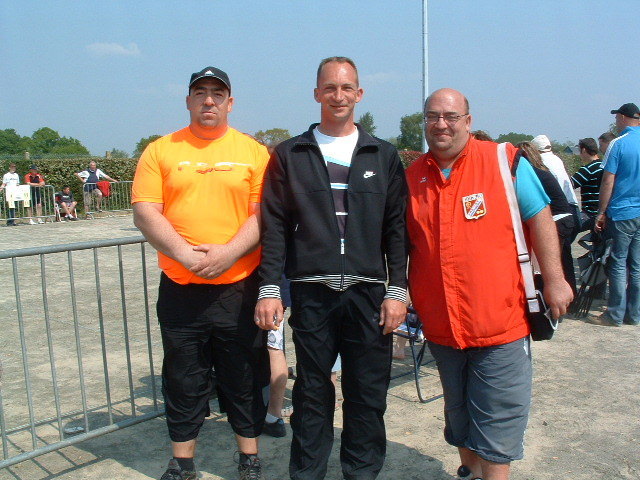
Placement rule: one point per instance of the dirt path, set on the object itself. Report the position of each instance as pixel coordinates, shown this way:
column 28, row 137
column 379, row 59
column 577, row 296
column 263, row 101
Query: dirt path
column 585, row 421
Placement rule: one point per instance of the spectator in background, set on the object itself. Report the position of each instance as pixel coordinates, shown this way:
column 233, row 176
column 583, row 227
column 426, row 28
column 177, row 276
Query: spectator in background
column 274, row 424
column 604, row 140
column 555, row 165
column 67, row 204
column 90, row 177
column 482, row 135
column 560, row 210
column 10, row 179
column 36, row 181
column 620, row 202
column 588, row 179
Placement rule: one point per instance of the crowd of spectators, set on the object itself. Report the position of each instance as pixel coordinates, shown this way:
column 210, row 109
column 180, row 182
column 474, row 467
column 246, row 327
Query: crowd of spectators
column 30, row 193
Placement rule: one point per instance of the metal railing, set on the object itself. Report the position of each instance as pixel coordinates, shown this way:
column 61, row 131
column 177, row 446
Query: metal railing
column 25, row 211
column 75, row 320
column 118, row 199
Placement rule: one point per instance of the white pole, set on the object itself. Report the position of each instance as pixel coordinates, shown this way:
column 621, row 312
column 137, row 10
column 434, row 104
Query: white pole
column 425, row 64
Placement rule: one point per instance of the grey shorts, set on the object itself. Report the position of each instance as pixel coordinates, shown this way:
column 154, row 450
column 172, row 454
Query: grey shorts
column 487, row 396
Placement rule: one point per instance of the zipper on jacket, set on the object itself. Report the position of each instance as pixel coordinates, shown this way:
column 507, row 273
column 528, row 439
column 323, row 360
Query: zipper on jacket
column 342, row 264
column 342, row 240
column 324, row 163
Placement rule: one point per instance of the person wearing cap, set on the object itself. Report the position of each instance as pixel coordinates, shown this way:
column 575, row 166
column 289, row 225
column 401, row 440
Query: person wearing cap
column 466, row 283
column 333, row 220
column 619, row 211
column 90, row 177
column 558, row 170
column 587, row 179
column 36, row 181
column 196, row 198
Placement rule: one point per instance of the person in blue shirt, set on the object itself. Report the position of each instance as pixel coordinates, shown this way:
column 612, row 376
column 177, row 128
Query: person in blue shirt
column 619, row 210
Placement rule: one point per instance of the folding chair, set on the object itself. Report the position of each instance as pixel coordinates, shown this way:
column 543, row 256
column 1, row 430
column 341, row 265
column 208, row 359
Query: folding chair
column 592, row 272
column 411, row 329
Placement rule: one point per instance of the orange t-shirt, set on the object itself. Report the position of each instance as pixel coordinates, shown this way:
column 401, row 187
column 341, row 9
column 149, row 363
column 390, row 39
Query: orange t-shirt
column 206, row 188
column 33, row 178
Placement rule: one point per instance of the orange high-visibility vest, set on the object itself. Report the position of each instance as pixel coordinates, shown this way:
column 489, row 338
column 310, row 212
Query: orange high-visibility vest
column 464, row 277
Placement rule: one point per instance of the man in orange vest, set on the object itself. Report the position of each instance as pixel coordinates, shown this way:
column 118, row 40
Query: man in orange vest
column 465, row 282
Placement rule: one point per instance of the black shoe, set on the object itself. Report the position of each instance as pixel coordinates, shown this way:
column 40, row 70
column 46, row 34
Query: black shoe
column 275, row 429
column 249, row 467
column 463, row 471
column 174, row 472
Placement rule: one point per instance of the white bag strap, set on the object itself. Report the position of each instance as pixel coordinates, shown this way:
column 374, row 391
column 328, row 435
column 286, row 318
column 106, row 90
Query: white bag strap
column 523, row 253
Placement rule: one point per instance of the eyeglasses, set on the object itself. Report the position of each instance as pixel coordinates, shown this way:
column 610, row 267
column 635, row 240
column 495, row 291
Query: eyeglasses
column 449, row 118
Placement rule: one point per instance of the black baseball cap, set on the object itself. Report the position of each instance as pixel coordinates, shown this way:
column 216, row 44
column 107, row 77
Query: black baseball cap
column 630, row 110
column 210, row 72
column 33, row 167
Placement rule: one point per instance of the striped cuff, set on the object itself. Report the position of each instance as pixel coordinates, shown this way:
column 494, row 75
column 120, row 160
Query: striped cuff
column 397, row 293
column 269, row 291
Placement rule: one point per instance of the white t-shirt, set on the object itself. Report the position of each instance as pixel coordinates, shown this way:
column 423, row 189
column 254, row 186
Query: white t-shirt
column 337, row 149
column 556, row 167
column 85, row 174
column 11, row 179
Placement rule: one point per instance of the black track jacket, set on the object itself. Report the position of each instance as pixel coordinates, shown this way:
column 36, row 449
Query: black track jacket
column 299, row 225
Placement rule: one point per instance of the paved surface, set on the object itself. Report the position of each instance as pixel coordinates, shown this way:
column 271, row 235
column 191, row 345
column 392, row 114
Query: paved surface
column 584, row 422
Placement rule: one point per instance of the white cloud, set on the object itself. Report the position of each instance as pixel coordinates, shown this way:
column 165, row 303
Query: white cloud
column 104, row 49
column 378, row 78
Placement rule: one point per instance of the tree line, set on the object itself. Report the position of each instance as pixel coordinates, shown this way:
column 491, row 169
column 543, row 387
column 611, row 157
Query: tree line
column 46, row 141
column 410, row 138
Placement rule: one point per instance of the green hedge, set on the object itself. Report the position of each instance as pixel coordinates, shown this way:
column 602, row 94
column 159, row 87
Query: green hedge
column 60, row 172
column 571, row 162
column 408, row 156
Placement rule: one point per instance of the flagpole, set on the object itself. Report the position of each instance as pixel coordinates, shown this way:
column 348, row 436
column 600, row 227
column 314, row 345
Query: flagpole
column 425, row 64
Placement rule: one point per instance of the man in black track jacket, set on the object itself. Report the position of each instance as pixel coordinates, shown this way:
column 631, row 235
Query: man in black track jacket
column 333, row 215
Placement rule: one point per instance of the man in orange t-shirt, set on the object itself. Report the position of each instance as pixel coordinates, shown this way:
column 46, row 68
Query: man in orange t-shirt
column 196, row 198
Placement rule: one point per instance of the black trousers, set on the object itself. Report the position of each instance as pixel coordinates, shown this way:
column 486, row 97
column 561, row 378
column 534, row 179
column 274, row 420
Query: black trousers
column 324, row 323
column 567, row 232
column 205, row 326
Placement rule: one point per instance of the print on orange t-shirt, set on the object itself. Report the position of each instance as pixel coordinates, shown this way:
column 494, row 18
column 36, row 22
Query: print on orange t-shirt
column 206, row 188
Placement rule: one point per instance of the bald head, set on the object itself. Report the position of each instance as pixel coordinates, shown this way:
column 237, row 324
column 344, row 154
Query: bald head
column 447, row 125
column 452, row 94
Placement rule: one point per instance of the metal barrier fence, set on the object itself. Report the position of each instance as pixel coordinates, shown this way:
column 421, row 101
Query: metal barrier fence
column 76, row 319
column 29, row 211
column 118, row 199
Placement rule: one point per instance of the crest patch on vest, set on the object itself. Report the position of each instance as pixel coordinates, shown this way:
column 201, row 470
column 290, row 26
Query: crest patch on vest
column 474, row 206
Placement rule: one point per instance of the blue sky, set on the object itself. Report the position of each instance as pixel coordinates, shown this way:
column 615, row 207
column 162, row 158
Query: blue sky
column 110, row 73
